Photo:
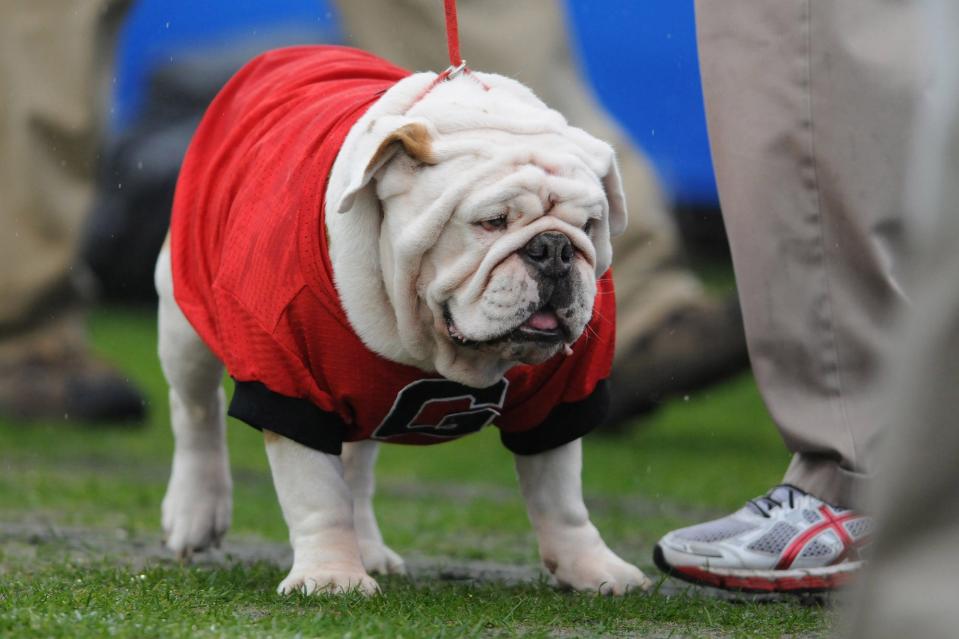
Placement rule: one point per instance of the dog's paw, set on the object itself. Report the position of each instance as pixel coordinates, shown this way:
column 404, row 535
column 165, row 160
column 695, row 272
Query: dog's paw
column 597, row 570
column 378, row 558
column 335, row 582
column 198, row 506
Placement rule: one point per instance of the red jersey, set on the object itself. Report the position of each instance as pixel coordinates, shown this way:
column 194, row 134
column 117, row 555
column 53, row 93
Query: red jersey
column 252, row 275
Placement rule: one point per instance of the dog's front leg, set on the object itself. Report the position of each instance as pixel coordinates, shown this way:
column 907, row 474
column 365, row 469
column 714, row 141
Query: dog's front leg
column 569, row 544
column 318, row 509
column 358, row 461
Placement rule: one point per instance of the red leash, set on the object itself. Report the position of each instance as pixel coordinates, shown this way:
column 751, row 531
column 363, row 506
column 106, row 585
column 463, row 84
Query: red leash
column 457, row 63
column 452, row 34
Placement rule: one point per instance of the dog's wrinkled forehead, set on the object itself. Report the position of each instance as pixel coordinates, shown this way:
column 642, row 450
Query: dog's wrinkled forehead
column 496, row 109
column 486, row 101
column 486, row 116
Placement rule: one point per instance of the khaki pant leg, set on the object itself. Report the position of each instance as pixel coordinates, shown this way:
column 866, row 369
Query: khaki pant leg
column 911, row 589
column 529, row 42
column 809, row 106
column 53, row 54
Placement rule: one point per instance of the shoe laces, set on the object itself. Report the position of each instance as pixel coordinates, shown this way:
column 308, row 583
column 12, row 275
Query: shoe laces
column 782, row 496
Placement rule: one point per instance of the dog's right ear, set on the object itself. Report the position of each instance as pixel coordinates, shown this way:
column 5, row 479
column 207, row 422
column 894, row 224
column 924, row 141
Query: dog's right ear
column 412, row 138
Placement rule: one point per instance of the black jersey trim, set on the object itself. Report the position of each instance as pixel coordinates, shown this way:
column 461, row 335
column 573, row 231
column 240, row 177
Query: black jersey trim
column 565, row 423
column 291, row 417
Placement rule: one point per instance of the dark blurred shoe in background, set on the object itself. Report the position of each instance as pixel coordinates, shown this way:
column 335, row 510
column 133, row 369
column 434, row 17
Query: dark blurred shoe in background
column 693, row 347
column 74, row 386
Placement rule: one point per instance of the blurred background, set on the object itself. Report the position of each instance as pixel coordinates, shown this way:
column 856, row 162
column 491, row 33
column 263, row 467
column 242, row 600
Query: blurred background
column 640, row 58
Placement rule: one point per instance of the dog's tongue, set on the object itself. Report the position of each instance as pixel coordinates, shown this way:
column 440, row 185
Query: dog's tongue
column 543, row 321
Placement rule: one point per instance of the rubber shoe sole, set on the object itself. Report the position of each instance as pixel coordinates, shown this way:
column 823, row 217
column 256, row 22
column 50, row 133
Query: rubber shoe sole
column 805, row 581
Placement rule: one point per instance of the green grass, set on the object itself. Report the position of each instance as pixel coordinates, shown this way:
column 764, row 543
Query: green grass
column 100, row 601
column 697, row 456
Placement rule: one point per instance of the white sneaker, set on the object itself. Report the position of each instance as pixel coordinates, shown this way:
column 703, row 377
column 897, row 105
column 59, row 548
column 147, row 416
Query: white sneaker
column 786, row 541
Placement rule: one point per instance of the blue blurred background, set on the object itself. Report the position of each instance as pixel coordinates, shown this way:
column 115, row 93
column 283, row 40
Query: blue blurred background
column 640, row 57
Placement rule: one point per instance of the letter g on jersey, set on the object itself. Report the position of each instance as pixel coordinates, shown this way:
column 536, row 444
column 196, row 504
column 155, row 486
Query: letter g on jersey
column 442, row 408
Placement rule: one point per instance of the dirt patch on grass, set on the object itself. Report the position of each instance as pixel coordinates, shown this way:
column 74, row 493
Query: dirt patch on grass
column 33, row 544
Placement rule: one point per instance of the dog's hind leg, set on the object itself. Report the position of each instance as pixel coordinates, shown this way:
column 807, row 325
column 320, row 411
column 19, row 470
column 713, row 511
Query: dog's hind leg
column 318, row 509
column 198, row 504
column 358, row 461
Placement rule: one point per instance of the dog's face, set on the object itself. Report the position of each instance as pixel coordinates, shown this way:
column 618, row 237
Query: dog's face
column 490, row 238
column 512, row 275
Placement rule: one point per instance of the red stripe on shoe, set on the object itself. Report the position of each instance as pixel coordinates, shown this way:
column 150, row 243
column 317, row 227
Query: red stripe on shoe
column 832, row 522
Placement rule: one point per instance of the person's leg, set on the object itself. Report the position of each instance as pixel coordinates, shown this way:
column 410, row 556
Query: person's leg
column 670, row 334
column 911, row 588
column 54, row 60
column 809, row 107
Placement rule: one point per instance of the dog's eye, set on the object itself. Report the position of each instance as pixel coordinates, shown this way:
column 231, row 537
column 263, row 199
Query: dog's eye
column 588, row 226
column 494, row 224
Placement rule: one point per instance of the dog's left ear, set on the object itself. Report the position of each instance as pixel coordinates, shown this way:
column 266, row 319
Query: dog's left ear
column 613, row 185
column 412, row 138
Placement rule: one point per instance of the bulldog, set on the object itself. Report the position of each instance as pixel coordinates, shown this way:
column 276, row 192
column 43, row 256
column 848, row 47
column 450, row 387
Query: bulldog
column 376, row 255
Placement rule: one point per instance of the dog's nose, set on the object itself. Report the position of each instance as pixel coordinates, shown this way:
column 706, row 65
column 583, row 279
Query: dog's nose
column 550, row 252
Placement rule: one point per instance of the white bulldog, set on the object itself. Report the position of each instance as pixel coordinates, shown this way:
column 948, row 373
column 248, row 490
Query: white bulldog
column 466, row 226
